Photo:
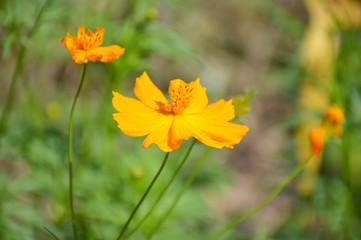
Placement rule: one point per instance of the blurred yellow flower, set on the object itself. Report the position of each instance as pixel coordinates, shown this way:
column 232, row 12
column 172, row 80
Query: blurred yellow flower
column 317, row 137
column 188, row 115
column 86, row 46
column 335, row 117
column 53, row 110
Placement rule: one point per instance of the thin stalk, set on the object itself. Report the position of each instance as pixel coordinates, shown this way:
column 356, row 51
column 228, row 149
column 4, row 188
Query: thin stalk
column 52, row 234
column 180, row 194
column 10, row 97
column 70, row 154
column 144, row 196
column 18, row 69
column 265, row 201
column 165, row 189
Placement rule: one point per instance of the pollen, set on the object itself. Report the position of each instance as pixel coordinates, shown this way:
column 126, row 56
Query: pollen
column 181, row 94
column 90, row 40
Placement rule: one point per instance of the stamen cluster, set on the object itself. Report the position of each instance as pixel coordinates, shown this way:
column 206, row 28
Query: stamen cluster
column 181, row 94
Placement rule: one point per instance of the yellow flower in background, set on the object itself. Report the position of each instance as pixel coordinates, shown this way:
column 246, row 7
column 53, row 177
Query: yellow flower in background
column 188, row 115
column 317, row 138
column 335, row 117
column 86, row 46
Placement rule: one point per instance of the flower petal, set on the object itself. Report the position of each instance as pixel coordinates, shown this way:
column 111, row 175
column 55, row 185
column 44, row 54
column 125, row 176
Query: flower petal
column 136, row 119
column 220, row 110
column 148, row 93
column 179, row 131
column 105, row 54
column 160, row 135
column 317, row 138
column 133, row 117
column 214, row 133
column 81, row 31
column 199, row 98
column 210, row 127
column 98, row 36
column 79, row 56
column 70, row 43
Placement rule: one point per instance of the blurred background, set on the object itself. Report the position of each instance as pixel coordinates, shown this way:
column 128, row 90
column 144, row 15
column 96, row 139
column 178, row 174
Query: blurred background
column 296, row 58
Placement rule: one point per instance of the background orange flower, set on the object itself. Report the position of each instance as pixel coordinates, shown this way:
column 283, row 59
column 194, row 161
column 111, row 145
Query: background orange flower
column 335, row 117
column 86, row 46
column 317, row 137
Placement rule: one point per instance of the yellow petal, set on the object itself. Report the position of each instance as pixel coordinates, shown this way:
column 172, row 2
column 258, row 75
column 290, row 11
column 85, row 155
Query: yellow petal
column 160, row 134
column 211, row 126
column 134, row 118
column 79, row 56
column 69, row 42
column 179, row 131
column 215, row 133
column 98, row 36
column 220, row 110
column 81, row 31
column 199, row 98
column 148, row 93
column 105, row 54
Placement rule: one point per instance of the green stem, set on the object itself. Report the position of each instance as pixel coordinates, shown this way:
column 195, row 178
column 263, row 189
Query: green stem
column 70, row 154
column 10, row 97
column 165, row 189
column 265, row 201
column 18, row 69
column 180, row 194
column 52, row 234
column 144, row 195
column 38, row 18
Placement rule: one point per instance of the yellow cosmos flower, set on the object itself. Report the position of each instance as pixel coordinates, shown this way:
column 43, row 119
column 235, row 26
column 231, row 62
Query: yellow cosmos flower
column 86, row 46
column 188, row 115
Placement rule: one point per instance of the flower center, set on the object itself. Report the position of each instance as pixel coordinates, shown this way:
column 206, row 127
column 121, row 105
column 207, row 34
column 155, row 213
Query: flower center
column 181, row 94
column 90, row 40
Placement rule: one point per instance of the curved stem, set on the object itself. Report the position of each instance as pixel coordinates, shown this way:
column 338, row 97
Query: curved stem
column 180, row 194
column 70, row 155
column 165, row 189
column 144, row 195
column 265, row 201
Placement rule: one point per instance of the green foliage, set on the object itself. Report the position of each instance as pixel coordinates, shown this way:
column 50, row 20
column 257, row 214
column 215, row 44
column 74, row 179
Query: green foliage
column 334, row 211
column 242, row 103
column 112, row 171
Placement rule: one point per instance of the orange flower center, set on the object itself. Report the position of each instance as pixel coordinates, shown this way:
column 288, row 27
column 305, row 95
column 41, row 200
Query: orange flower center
column 181, row 94
column 90, row 40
